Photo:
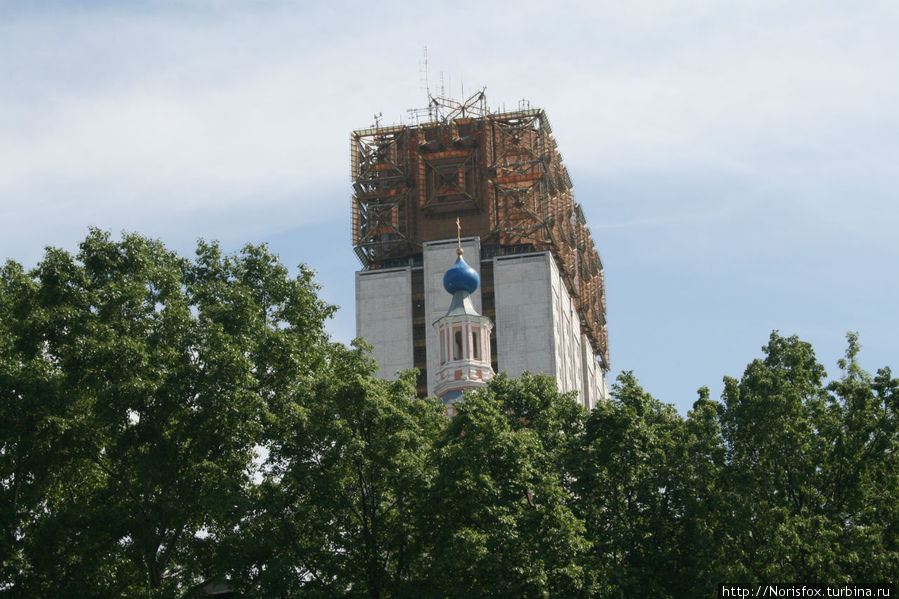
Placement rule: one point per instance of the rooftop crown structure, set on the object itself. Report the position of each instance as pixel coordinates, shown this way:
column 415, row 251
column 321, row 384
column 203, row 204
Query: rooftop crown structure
column 541, row 276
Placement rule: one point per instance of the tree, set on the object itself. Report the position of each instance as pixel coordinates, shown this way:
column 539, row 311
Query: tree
column 336, row 512
column 811, row 473
column 134, row 386
column 501, row 521
column 862, row 481
column 627, row 475
column 165, row 420
column 775, row 456
column 697, row 484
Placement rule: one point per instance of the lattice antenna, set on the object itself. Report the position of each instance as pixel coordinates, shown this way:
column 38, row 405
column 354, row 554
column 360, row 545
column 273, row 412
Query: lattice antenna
column 423, row 72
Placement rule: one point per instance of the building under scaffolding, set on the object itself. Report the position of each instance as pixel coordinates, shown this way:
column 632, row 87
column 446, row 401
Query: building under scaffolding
column 502, row 173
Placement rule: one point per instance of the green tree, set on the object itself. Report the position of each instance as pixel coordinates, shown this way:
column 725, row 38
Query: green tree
column 627, row 472
column 861, row 483
column 134, row 387
column 808, row 493
column 165, row 420
column 697, row 484
column 336, row 515
column 501, row 523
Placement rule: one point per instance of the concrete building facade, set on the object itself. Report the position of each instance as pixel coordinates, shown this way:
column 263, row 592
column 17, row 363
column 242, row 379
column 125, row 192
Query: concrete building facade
column 536, row 325
column 541, row 280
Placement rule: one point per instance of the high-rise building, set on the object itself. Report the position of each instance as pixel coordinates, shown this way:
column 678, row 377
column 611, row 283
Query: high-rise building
column 541, row 279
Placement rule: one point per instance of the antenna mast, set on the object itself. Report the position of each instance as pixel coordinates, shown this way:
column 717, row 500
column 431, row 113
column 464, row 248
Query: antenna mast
column 423, row 70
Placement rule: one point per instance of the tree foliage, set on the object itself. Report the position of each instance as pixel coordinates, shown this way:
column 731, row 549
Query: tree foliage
column 167, row 421
column 134, row 387
column 626, row 482
column 811, row 468
column 337, row 511
column 501, row 519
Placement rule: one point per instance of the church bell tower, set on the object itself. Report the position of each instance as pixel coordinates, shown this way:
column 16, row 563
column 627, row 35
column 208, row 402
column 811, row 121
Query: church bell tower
column 464, row 338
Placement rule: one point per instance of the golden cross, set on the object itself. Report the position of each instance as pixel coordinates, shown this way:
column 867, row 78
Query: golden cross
column 459, row 236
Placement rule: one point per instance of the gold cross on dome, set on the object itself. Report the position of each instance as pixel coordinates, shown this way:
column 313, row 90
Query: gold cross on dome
column 459, row 236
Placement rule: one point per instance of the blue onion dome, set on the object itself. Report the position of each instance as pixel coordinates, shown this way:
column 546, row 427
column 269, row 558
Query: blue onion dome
column 461, row 277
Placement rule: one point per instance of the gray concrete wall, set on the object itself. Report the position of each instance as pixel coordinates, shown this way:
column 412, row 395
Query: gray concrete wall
column 593, row 377
column 384, row 317
column 525, row 339
column 566, row 325
column 538, row 328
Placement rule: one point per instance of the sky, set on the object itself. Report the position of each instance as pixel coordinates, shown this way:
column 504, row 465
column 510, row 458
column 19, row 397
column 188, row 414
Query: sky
column 737, row 162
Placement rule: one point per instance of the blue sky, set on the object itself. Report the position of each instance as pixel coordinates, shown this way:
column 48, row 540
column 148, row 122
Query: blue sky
column 738, row 162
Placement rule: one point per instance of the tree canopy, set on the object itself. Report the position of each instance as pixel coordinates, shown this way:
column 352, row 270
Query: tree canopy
column 135, row 387
column 167, row 422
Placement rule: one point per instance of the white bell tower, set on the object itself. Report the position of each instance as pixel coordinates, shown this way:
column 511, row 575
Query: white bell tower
column 464, row 337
